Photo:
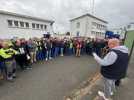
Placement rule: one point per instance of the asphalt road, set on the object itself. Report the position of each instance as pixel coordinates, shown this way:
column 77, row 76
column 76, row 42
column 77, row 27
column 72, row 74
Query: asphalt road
column 50, row 80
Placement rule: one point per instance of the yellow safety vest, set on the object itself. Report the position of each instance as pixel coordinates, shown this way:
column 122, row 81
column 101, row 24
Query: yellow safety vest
column 7, row 53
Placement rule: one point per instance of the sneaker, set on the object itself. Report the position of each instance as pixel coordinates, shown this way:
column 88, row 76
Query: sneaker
column 112, row 93
column 14, row 75
column 61, row 55
column 101, row 94
column 46, row 59
column 50, row 58
column 9, row 78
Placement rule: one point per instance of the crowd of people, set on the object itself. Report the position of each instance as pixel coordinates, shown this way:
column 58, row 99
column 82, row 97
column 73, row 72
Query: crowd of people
column 23, row 53
column 109, row 53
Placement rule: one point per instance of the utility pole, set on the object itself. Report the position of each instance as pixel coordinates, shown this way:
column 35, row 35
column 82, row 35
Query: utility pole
column 93, row 6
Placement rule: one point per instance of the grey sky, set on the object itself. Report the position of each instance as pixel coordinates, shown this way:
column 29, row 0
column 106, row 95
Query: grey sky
column 116, row 12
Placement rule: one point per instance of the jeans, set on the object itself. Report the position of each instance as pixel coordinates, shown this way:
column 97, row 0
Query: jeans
column 56, row 52
column 48, row 54
column 61, row 51
column 2, row 65
column 52, row 51
column 2, row 69
column 70, row 51
column 39, row 55
column 82, row 50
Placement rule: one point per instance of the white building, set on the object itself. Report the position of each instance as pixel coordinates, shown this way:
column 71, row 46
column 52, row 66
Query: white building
column 23, row 26
column 88, row 26
column 130, row 27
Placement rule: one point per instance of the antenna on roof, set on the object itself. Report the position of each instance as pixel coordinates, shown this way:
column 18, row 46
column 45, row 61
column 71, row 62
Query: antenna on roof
column 92, row 6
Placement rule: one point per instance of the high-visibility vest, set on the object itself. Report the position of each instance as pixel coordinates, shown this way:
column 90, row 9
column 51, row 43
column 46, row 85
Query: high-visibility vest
column 7, row 53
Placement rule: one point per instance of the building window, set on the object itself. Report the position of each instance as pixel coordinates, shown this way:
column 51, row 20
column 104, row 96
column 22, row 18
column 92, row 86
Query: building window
column 45, row 27
column 27, row 25
column 21, row 24
column 98, row 26
column 37, row 26
column 104, row 27
column 41, row 26
column 48, row 32
column 78, row 34
column 93, row 23
column 78, row 25
column 33, row 25
column 92, row 32
column 16, row 23
column 100, row 33
column 101, row 26
column 96, row 33
column 10, row 23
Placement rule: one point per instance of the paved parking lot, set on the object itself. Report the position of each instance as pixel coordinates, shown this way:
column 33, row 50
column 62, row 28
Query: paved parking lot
column 49, row 80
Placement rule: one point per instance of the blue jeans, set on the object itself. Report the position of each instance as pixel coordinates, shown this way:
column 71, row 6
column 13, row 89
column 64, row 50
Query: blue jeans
column 82, row 50
column 56, row 52
column 48, row 54
column 70, row 51
column 2, row 66
column 61, row 51
column 40, row 55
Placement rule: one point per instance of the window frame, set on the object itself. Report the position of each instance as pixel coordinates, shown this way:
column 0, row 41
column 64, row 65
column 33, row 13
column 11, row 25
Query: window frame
column 33, row 26
column 41, row 26
column 78, row 25
column 27, row 25
column 10, row 24
column 22, row 24
column 45, row 27
column 16, row 24
column 37, row 26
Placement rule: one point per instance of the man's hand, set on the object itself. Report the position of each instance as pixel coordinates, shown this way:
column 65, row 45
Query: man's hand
column 94, row 55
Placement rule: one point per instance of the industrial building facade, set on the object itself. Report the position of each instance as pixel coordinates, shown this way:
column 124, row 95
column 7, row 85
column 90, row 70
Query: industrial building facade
column 23, row 26
column 88, row 26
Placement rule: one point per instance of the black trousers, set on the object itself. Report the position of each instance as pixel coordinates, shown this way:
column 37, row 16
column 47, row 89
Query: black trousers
column 118, row 82
column 21, row 60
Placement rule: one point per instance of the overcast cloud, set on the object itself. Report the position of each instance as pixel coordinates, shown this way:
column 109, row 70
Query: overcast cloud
column 116, row 12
